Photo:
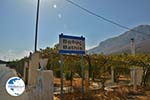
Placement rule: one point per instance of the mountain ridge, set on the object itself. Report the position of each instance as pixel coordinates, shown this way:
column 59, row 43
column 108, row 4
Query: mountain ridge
column 121, row 43
column 2, row 62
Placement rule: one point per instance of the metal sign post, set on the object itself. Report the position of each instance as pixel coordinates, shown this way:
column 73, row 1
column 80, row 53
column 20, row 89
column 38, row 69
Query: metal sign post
column 71, row 45
column 82, row 65
column 61, row 71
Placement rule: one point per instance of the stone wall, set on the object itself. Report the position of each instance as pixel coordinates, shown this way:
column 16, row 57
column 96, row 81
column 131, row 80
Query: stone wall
column 33, row 66
column 139, row 74
column 44, row 86
column 5, row 74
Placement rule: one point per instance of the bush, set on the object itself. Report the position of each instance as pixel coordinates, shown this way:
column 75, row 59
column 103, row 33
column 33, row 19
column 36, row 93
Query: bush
column 68, row 76
column 58, row 74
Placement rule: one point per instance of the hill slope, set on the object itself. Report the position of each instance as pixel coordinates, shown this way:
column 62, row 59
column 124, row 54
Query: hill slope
column 2, row 62
column 121, row 43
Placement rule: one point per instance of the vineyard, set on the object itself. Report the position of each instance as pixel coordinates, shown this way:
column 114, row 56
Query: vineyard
column 99, row 68
column 99, row 65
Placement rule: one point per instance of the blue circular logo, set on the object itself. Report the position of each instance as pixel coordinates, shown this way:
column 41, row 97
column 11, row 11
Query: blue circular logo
column 15, row 86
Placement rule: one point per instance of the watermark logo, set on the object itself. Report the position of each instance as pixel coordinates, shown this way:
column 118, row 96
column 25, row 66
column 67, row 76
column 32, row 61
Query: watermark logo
column 15, row 86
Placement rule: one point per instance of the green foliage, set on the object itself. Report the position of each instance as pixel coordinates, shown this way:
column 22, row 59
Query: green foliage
column 98, row 65
column 68, row 76
column 58, row 74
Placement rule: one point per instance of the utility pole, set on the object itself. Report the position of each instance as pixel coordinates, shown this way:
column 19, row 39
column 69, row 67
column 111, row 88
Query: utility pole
column 134, row 78
column 36, row 27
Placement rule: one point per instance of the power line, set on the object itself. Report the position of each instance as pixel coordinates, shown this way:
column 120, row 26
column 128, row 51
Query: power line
column 103, row 18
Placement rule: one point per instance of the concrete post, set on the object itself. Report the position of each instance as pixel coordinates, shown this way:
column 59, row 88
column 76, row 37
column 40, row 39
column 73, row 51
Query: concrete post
column 43, row 63
column 139, row 75
column 44, row 85
column 134, row 69
column 33, row 66
column 25, row 72
column 112, row 75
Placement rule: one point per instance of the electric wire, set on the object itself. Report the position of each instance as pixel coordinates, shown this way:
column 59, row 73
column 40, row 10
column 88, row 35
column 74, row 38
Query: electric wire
column 103, row 18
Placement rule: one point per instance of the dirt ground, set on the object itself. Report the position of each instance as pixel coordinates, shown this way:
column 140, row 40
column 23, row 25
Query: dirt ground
column 77, row 82
column 121, row 92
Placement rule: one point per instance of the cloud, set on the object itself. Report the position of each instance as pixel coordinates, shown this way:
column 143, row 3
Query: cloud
column 13, row 55
column 91, row 47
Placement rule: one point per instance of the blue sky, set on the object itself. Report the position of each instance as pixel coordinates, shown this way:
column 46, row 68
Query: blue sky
column 17, row 22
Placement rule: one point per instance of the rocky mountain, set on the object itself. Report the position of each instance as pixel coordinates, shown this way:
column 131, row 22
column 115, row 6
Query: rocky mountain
column 121, row 43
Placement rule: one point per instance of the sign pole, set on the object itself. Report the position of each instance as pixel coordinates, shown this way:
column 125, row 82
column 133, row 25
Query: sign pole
column 82, row 65
column 71, row 45
column 61, row 71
